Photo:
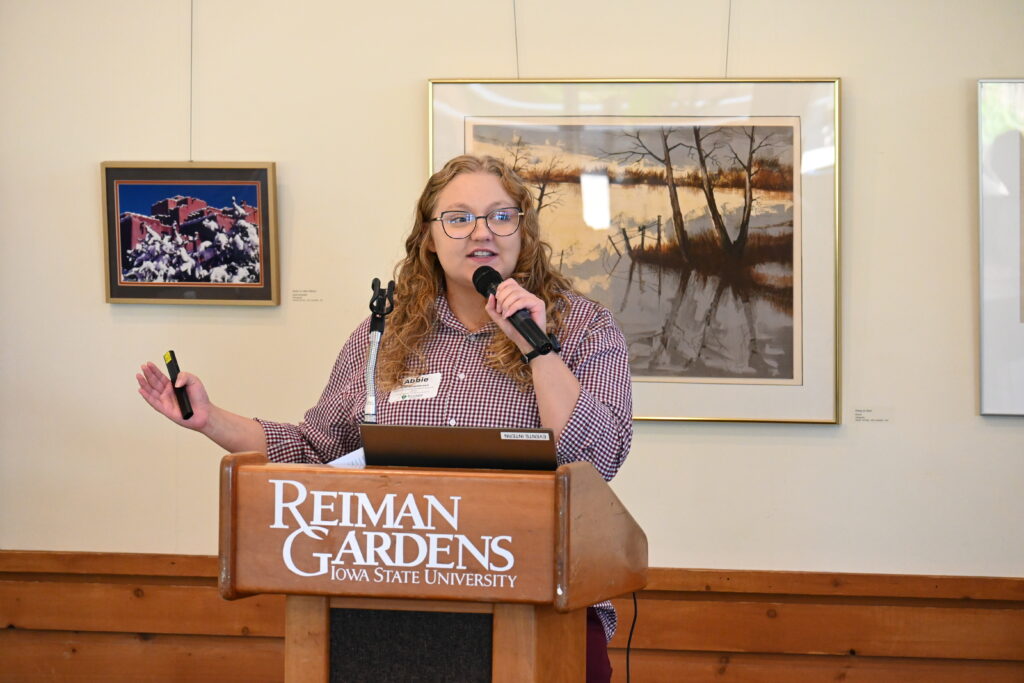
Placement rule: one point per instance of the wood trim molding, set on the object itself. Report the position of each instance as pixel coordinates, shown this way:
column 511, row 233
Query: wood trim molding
column 133, row 564
column 836, row 584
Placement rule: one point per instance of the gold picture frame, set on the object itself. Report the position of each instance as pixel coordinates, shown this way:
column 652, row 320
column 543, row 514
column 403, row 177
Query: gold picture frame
column 190, row 233
column 703, row 213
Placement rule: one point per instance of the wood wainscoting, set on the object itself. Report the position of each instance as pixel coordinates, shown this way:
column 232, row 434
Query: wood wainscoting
column 121, row 617
column 797, row 627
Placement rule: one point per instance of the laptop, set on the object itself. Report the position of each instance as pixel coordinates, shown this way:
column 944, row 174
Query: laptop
column 468, row 447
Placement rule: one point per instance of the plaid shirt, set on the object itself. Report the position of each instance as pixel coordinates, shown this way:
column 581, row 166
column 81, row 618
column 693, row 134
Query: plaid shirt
column 470, row 394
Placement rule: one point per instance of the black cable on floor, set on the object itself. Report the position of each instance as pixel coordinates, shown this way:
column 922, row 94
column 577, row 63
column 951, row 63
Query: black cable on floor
column 629, row 641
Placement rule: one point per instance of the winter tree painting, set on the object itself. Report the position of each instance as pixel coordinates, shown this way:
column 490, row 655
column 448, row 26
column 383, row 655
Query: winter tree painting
column 686, row 229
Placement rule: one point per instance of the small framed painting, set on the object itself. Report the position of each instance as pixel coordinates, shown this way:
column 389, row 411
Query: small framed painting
column 190, row 233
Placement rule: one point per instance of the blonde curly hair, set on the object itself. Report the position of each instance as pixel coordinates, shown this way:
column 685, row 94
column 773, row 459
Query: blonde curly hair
column 419, row 279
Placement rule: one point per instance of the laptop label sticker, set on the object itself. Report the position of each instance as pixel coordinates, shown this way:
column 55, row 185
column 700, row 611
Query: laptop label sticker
column 525, row 436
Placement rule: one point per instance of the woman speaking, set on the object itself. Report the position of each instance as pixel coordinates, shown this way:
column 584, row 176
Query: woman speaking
column 481, row 372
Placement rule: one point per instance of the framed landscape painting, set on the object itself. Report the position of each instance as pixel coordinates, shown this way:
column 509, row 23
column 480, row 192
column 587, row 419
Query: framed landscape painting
column 190, row 233
column 1001, row 181
column 703, row 214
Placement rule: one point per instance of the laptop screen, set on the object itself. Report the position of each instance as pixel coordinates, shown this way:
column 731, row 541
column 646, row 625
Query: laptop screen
column 467, row 447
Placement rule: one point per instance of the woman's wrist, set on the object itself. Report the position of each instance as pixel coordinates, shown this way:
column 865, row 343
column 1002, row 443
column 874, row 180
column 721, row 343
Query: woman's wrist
column 210, row 428
column 554, row 347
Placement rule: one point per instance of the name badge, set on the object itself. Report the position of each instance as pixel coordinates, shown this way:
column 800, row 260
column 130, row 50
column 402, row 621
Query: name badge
column 421, row 386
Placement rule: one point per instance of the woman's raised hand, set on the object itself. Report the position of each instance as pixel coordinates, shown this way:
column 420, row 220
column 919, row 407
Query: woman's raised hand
column 155, row 387
column 509, row 298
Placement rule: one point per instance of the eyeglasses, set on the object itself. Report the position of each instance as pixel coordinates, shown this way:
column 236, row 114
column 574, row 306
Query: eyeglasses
column 460, row 224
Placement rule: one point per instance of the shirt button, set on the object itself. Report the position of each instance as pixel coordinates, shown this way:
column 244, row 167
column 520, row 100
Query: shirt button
column 462, row 375
column 451, row 422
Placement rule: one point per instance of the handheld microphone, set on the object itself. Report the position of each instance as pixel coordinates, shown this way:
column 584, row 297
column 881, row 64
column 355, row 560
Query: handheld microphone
column 486, row 281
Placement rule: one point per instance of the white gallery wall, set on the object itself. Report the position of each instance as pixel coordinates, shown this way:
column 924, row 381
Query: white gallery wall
column 335, row 94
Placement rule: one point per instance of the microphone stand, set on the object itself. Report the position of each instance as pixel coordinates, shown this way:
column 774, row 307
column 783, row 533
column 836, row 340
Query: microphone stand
column 381, row 304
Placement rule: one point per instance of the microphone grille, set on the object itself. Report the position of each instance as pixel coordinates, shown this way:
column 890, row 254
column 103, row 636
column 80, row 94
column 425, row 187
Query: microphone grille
column 485, row 278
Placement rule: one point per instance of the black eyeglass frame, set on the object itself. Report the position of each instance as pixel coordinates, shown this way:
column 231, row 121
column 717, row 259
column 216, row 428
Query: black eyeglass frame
column 469, row 214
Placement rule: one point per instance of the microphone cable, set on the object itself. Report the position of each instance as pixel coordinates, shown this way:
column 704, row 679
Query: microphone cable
column 629, row 641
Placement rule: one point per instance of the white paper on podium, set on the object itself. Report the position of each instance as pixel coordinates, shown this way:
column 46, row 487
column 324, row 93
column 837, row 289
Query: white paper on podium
column 356, row 460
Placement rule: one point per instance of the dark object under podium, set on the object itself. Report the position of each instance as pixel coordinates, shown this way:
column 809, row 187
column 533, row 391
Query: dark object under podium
column 400, row 646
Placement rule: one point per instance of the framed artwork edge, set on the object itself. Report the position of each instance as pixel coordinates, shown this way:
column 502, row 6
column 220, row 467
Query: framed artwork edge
column 268, row 232
column 999, row 395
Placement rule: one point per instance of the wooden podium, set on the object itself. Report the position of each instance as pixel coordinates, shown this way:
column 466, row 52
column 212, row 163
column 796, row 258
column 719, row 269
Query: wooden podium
column 532, row 549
